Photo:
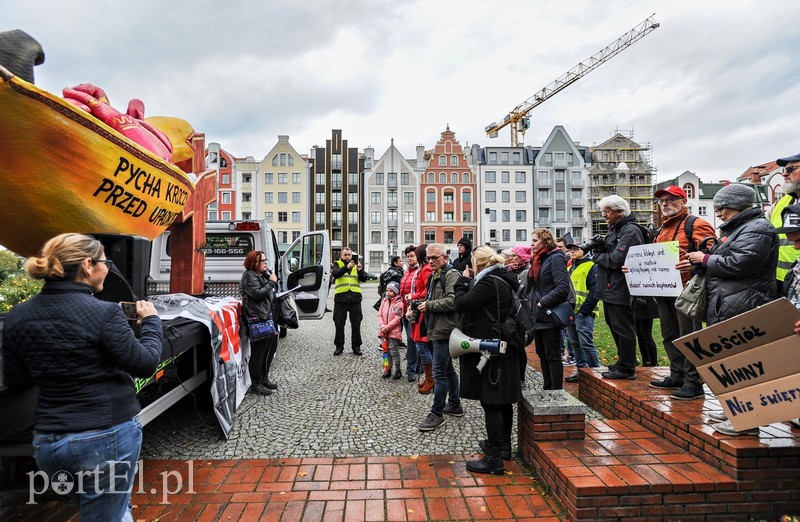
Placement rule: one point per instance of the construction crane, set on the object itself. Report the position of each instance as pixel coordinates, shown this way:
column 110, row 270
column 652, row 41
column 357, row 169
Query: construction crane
column 518, row 117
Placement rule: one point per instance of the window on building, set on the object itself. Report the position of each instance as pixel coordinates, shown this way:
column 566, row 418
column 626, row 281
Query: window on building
column 295, row 197
column 352, row 237
column 504, row 157
column 448, row 197
column 283, row 159
column 408, row 237
column 268, row 197
column 490, row 176
column 408, row 198
column 246, row 216
column 336, row 235
column 559, row 175
column 352, row 218
column 506, row 235
column 375, row 217
column 226, row 215
column 448, row 216
column 212, row 215
column 375, row 198
column 442, row 160
column 246, row 197
column 226, row 198
column 520, row 196
column 352, row 178
column 352, row 198
column 469, row 234
column 505, row 216
column 466, row 196
column 492, row 158
column 319, row 218
column 466, row 216
column 430, row 216
column 391, row 198
column 268, row 216
column 454, row 177
column 454, row 161
column 295, row 235
column 493, row 216
column 506, row 195
column 522, row 216
column 320, row 178
column 283, row 197
column 283, row 236
column 442, row 177
column 522, row 234
column 295, row 217
column 491, row 196
column 689, row 189
column 226, row 179
column 404, row 178
column 268, row 178
column 430, row 236
column 430, row 196
column 379, row 178
column 295, row 178
column 375, row 237
column 336, row 199
column 449, row 237
column 391, row 179
column 519, row 176
column 505, row 176
column 319, row 198
column 283, row 177
column 283, row 217
column 247, row 178
column 561, row 196
column 465, row 177
column 336, row 218
column 702, row 210
column 336, row 161
column 408, row 217
column 516, row 158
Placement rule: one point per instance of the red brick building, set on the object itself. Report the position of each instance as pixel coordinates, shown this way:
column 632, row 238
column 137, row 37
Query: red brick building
column 448, row 192
column 225, row 207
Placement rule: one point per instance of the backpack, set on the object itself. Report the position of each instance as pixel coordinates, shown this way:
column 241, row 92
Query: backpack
column 517, row 328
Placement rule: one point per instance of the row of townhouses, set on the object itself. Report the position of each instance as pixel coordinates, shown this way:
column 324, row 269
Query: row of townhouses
column 378, row 205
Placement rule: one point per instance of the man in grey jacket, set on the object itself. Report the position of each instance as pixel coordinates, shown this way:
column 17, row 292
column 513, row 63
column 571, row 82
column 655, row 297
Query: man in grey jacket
column 609, row 256
column 441, row 319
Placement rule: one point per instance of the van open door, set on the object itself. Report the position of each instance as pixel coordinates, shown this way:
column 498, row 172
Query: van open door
column 307, row 264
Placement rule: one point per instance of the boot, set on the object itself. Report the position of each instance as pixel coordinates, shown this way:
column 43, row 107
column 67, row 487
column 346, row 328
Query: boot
column 427, row 385
column 488, row 464
column 397, row 374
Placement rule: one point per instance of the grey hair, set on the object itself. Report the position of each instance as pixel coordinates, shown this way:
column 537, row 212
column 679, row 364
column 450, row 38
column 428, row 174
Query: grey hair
column 438, row 246
column 615, row 202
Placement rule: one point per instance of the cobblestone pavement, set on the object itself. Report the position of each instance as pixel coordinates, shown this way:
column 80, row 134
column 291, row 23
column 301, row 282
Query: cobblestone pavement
column 326, row 407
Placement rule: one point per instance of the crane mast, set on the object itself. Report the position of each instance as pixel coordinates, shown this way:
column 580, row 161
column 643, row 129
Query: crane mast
column 518, row 118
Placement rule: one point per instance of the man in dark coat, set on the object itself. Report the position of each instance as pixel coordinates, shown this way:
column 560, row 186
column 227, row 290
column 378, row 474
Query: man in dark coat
column 464, row 258
column 623, row 233
column 393, row 274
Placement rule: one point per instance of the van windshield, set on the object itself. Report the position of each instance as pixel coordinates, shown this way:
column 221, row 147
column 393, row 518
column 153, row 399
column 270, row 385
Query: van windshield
column 225, row 244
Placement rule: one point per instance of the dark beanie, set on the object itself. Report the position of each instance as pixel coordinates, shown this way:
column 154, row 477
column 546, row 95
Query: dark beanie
column 735, row 196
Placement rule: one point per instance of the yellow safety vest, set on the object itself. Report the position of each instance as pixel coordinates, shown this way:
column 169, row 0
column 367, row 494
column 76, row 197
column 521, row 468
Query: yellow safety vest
column 578, row 275
column 348, row 282
column 787, row 254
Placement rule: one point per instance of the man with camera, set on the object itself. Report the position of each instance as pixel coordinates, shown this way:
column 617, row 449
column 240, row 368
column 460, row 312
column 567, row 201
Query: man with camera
column 689, row 231
column 440, row 319
column 349, row 275
column 609, row 257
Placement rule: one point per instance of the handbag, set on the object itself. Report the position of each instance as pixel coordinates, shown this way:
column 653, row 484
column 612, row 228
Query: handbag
column 287, row 310
column 562, row 315
column 260, row 330
column 693, row 301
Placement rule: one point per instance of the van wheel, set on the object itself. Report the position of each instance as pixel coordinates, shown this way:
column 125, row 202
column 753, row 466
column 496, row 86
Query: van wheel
column 282, row 332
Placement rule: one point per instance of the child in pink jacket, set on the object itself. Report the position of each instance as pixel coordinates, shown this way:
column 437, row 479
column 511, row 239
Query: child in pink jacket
column 389, row 315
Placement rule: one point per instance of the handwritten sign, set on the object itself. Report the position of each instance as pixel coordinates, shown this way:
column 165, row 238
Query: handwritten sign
column 750, row 363
column 651, row 270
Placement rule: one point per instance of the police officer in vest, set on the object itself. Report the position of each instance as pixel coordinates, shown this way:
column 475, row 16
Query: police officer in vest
column 349, row 275
column 791, row 190
column 583, row 274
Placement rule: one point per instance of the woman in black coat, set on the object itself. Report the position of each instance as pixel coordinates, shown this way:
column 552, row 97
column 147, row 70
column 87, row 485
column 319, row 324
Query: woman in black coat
column 547, row 287
column 259, row 287
column 497, row 387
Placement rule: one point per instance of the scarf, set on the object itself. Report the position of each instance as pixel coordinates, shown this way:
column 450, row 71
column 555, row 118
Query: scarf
column 536, row 264
column 486, row 271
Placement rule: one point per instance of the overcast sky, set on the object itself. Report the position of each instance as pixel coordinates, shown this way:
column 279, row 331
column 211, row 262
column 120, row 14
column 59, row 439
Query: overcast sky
column 713, row 89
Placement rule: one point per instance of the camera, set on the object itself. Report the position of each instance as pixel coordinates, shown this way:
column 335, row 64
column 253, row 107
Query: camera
column 129, row 309
column 597, row 243
column 415, row 313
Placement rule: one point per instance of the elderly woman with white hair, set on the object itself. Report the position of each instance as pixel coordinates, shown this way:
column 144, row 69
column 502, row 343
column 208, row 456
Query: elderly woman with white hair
column 609, row 256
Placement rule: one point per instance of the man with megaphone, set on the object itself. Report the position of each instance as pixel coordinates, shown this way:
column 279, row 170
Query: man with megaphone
column 484, row 303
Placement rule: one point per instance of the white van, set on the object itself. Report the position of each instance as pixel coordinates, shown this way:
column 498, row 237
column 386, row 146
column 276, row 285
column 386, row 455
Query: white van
column 306, row 263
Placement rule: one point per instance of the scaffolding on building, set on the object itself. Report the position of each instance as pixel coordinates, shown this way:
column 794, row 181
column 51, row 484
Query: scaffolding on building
column 623, row 167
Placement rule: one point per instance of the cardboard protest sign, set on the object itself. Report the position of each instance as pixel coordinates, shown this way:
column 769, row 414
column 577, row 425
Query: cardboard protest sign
column 651, row 270
column 751, row 364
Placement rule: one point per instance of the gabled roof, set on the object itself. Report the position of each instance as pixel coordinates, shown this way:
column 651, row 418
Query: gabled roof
column 754, row 174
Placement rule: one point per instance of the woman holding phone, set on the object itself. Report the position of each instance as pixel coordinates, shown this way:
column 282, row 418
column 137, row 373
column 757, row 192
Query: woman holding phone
column 258, row 288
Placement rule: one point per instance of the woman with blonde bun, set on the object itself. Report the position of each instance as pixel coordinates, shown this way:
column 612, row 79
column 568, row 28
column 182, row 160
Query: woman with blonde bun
column 483, row 303
column 81, row 353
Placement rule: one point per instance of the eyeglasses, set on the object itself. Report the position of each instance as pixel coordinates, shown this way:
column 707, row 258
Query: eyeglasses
column 667, row 201
column 106, row 262
column 791, row 168
column 434, row 258
column 262, row 260
column 718, row 209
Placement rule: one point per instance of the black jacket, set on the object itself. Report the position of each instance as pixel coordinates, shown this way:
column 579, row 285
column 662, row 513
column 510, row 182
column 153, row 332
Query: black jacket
column 499, row 383
column 741, row 267
column 463, row 261
column 258, row 295
column 81, row 352
column 392, row 274
column 550, row 289
column 611, row 285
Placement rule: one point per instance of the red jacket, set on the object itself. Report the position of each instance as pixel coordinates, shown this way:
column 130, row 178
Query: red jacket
column 418, row 293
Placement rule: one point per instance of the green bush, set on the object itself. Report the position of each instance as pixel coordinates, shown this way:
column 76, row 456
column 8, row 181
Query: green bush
column 9, row 264
column 17, row 288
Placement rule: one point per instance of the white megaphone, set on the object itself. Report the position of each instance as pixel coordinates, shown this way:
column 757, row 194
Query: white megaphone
column 461, row 344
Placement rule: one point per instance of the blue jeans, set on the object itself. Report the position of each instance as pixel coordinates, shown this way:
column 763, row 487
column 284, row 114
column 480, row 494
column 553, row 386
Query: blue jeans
column 424, row 351
column 91, row 458
column 581, row 337
column 411, row 349
column 445, row 378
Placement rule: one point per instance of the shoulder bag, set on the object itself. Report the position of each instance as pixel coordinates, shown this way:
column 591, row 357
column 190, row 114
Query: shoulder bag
column 693, row 301
column 260, row 330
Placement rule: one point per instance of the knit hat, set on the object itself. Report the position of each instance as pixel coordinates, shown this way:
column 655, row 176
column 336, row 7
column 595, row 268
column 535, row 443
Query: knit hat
column 394, row 287
column 524, row 252
column 735, row 196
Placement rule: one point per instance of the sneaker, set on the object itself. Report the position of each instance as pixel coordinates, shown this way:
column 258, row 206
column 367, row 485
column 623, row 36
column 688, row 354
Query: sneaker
column 453, row 411
column 726, row 428
column 688, row 393
column 619, row 375
column 569, row 361
column 795, row 423
column 572, row 378
column 411, row 376
column 670, row 383
column 431, row 422
column 718, row 416
column 260, row 389
column 338, row 350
